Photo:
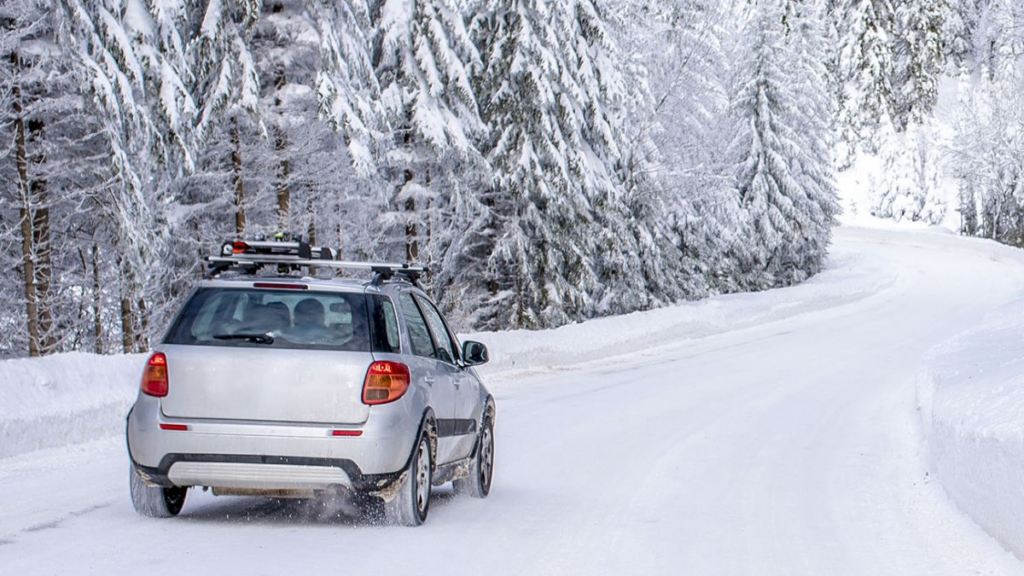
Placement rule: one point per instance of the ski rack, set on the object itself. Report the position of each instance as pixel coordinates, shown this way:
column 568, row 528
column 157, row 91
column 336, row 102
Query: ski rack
column 251, row 256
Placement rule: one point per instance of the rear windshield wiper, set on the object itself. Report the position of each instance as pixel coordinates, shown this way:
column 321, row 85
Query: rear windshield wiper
column 266, row 338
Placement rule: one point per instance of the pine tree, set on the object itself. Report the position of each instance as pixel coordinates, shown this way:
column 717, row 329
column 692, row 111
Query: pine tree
column 593, row 63
column 784, row 171
column 868, row 70
column 424, row 59
column 988, row 155
column 346, row 83
column 538, row 272
column 921, row 56
column 554, row 146
column 672, row 162
column 956, row 30
column 225, row 74
column 910, row 184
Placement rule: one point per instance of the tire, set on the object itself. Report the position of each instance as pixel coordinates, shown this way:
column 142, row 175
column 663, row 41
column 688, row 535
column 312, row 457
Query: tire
column 411, row 505
column 481, row 471
column 155, row 502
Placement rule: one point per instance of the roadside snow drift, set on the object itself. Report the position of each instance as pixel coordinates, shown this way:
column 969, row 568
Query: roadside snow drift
column 65, row 399
column 971, row 398
column 848, row 277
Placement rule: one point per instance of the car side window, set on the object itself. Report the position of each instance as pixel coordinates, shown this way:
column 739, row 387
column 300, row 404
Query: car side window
column 419, row 336
column 446, row 348
column 384, row 325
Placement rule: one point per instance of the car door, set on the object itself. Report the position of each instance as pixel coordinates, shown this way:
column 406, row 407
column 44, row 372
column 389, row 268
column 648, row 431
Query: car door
column 427, row 368
column 467, row 387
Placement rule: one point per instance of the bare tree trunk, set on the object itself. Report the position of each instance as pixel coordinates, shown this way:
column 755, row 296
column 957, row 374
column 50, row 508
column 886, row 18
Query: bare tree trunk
column 127, row 326
column 429, row 222
column 25, row 214
column 97, row 302
column 311, row 231
column 142, row 326
column 412, row 248
column 284, row 192
column 236, row 166
column 128, row 332
column 41, row 236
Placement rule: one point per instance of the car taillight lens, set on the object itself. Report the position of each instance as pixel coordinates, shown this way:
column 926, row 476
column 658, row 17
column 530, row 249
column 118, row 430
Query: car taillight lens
column 154, row 377
column 385, row 382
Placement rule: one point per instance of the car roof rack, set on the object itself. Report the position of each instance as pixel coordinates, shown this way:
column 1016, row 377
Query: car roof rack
column 251, row 256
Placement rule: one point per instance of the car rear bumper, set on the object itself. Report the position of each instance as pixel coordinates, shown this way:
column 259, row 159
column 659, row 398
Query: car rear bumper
column 269, row 456
column 262, row 473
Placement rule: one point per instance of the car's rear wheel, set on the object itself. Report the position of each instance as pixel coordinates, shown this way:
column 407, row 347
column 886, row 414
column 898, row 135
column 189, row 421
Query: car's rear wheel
column 155, row 502
column 411, row 505
column 481, row 471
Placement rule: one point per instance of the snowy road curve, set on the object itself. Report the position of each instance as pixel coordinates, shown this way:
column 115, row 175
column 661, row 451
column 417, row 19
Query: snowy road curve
column 788, row 447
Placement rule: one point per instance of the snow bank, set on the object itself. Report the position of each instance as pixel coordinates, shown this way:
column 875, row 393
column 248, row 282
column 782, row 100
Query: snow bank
column 65, row 399
column 971, row 400
column 849, row 276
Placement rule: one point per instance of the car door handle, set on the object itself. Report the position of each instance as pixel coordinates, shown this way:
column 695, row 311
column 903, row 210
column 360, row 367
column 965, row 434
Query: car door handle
column 429, row 380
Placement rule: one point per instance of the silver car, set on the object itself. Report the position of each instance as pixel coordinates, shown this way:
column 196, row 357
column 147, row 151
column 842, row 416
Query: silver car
column 291, row 386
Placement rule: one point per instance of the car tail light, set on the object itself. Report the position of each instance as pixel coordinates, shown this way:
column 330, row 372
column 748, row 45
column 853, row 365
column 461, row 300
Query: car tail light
column 385, row 382
column 154, row 377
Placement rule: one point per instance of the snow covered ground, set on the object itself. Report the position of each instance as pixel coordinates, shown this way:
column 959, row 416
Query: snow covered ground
column 771, row 433
column 64, row 400
column 971, row 395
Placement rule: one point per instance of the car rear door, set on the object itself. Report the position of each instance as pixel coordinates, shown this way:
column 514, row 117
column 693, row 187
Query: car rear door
column 427, row 368
column 463, row 426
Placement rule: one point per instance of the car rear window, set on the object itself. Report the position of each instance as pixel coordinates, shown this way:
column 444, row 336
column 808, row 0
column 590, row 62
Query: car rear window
column 242, row 317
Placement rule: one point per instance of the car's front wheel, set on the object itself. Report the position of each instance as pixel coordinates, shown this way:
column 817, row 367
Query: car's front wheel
column 154, row 501
column 411, row 505
column 478, row 483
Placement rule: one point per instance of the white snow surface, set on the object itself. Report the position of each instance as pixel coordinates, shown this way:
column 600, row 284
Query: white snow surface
column 771, row 433
column 64, row 399
column 971, row 397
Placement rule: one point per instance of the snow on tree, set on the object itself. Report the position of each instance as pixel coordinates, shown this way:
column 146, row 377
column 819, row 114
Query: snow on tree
column 550, row 94
column 226, row 77
column 673, row 160
column 956, row 30
column 921, row 56
column 998, row 31
column 910, row 186
column 134, row 57
column 988, row 154
column 867, row 69
column 56, row 168
column 599, row 94
column 424, row 59
column 784, row 168
column 346, row 84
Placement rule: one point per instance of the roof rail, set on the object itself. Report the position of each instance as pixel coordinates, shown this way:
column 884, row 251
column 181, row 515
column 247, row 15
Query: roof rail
column 251, row 256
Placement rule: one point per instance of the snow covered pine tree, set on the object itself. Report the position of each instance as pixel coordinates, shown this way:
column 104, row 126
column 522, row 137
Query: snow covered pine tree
column 784, row 165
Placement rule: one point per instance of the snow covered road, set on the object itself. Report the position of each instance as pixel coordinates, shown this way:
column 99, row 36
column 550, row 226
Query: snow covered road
column 789, row 446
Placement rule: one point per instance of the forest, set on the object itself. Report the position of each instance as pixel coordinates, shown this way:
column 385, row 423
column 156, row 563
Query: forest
column 549, row 160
